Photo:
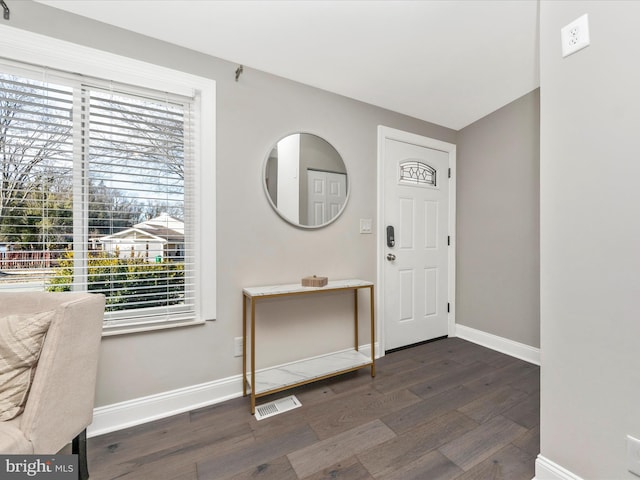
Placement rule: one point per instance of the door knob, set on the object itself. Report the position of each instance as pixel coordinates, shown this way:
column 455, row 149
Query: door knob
column 391, row 257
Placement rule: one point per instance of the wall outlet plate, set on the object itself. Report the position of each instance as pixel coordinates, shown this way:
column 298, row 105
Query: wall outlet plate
column 237, row 347
column 633, row 455
column 575, row 36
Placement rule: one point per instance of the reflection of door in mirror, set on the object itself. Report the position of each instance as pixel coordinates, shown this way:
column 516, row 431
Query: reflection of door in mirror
column 326, row 196
column 319, row 156
column 306, row 180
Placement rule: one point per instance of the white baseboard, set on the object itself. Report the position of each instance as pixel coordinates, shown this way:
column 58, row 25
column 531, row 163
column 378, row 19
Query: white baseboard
column 548, row 470
column 154, row 407
column 118, row 416
column 500, row 344
column 366, row 350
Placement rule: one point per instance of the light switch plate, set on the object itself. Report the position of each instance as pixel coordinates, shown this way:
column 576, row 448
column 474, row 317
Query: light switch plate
column 365, row 225
column 575, row 36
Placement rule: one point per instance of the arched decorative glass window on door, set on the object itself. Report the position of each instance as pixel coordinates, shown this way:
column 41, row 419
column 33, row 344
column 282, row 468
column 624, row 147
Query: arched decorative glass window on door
column 415, row 172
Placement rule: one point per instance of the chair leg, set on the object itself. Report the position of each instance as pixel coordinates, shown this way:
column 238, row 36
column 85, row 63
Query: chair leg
column 79, row 447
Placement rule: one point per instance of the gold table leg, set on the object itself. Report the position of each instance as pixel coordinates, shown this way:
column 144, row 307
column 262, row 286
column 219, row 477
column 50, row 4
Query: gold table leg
column 244, row 345
column 253, row 355
column 355, row 315
column 373, row 334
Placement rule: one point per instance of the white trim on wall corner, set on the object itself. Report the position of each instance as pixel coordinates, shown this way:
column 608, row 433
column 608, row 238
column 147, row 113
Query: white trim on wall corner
column 500, row 344
column 130, row 413
column 548, row 470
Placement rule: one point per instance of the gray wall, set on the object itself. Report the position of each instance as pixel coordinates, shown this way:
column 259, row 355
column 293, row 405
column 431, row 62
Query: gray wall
column 255, row 246
column 498, row 259
column 590, row 239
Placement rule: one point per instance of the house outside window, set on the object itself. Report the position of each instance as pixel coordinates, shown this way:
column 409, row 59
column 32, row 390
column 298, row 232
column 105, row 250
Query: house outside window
column 100, row 191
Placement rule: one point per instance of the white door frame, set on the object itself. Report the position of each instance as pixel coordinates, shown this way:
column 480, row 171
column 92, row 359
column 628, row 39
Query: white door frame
column 385, row 133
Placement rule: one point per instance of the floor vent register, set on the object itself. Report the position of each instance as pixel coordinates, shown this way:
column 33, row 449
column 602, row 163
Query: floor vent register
column 276, row 407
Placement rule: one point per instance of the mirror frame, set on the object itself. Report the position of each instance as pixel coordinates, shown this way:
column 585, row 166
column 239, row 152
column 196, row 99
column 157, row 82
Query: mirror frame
column 273, row 205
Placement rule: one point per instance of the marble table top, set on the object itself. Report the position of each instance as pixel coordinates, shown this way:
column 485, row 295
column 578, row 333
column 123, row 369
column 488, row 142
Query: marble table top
column 298, row 288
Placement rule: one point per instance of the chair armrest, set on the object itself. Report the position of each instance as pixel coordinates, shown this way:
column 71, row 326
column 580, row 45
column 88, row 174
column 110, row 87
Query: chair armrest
column 61, row 400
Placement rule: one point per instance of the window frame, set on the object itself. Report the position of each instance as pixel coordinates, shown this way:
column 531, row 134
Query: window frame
column 39, row 50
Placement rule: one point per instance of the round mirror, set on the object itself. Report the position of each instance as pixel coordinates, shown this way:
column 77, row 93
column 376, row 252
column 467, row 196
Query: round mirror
column 306, row 180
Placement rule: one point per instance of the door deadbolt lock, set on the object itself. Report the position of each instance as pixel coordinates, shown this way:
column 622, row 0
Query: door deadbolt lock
column 391, row 237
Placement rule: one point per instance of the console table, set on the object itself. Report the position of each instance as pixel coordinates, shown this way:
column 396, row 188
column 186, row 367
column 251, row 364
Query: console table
column 277, row 379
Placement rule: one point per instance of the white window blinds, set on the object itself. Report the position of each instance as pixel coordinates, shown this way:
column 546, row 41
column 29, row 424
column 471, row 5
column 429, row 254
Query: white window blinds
column 97, row 193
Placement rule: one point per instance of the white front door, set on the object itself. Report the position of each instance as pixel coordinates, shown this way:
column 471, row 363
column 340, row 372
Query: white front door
column 415, row 268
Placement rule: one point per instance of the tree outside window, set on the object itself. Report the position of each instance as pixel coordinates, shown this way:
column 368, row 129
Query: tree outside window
column 94, row 193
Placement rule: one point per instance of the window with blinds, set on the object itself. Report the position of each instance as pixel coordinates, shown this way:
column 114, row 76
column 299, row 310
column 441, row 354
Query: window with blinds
column 96, row 193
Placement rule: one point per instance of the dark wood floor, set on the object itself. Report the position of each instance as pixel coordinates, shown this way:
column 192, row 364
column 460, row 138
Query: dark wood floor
column 443, row 410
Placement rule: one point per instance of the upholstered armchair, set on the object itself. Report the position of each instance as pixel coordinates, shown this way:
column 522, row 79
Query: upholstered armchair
column 58, row 405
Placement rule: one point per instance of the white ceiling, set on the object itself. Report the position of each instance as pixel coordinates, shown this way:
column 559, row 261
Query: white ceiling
column 447, row 62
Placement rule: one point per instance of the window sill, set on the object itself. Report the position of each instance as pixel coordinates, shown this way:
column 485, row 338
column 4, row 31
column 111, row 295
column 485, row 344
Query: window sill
column 110, row 331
